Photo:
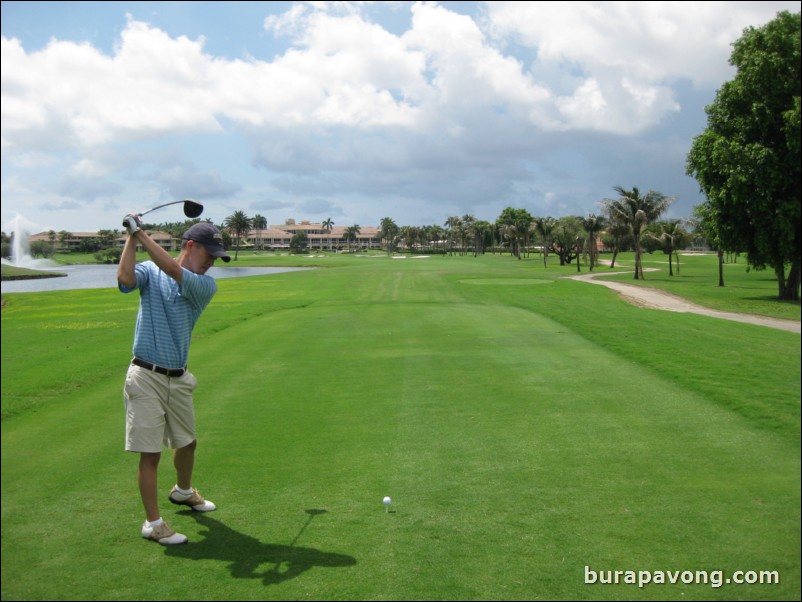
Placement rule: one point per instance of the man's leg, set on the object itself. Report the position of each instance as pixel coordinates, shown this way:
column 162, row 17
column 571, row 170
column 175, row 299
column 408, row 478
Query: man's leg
column 184, row 462
column 147, row 477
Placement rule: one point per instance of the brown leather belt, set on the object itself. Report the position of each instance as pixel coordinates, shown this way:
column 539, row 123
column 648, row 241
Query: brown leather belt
column 172, row 372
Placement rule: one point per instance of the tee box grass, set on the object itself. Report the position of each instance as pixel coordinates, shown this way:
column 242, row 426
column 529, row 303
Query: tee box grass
column 528, row 429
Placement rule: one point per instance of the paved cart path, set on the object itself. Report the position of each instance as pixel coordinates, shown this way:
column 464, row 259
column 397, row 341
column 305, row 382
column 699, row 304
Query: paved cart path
column 652, row 298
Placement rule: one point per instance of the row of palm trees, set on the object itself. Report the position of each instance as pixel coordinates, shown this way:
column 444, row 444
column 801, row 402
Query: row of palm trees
column 624, row 216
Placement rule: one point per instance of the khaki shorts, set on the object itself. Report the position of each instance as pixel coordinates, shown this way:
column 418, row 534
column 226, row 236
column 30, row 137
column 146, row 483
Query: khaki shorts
column 158, row 410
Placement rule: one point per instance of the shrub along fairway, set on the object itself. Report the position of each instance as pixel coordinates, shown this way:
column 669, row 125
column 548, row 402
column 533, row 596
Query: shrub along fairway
column 526, row 427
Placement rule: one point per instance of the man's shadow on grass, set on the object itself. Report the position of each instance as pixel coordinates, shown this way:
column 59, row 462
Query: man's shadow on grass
column 246, row 554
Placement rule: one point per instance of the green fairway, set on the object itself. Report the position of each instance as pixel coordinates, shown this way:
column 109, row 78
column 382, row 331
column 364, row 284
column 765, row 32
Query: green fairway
column 525, row 426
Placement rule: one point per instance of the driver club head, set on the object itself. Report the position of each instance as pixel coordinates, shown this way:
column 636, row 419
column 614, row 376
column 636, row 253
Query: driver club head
column 192, row 208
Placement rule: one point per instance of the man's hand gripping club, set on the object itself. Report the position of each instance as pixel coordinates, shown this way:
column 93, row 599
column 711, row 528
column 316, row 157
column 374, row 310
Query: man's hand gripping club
column 132, row 223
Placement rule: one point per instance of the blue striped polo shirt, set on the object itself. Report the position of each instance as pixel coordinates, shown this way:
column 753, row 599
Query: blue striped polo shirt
column 168, row 313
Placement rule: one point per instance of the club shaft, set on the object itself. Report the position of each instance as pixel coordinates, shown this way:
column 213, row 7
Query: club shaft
column 159, row 207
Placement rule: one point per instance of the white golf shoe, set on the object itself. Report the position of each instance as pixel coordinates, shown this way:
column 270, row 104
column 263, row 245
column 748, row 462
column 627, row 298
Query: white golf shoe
column 163, row 534
column 194, row 500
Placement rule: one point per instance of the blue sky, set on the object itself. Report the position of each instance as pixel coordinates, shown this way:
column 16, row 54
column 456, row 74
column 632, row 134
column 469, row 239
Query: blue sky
column 354, row 111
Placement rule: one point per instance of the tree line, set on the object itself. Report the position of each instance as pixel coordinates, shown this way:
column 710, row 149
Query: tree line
column 630, row 221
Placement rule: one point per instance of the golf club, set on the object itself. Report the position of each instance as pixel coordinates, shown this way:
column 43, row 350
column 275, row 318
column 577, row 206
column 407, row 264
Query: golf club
column 191, row 208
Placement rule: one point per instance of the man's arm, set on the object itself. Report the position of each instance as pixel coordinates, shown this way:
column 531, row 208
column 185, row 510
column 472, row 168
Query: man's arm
column 160, row 257
column 125, row 272
column 126, row 275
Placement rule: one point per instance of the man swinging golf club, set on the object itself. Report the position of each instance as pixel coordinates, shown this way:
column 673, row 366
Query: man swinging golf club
column 158, row 387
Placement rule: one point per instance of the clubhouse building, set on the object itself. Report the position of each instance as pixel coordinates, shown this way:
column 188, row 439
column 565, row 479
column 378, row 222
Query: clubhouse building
column 272, row 238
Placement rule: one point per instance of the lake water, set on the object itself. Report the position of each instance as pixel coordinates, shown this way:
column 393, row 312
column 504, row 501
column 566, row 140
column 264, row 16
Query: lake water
column 105, row 276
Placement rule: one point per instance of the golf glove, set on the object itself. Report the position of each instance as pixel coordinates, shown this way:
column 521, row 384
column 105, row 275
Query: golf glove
column 132, row 223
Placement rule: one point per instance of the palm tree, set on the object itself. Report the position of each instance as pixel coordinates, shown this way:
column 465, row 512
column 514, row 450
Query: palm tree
column 259, row 223
column 237, row 224
column 481, row 229
column 328, row 224
column 545, row 227
column 705, row 220
column 637, row 211
column 671, row 235
column 516, row 225
column 592, row 224
column 389, row 230
column 523, row 233
column 63, row 237
column 466, row 228
column 409, row 237
column 351, row 233
column 618, row 230
column 434, row 235
column 453, row 224
column 51, row 235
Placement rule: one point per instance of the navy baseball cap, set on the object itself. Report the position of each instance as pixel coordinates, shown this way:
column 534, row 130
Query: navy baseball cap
column 209, row 236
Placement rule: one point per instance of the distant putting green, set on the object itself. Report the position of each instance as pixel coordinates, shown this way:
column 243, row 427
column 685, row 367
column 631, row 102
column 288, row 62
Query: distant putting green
column 526, row 434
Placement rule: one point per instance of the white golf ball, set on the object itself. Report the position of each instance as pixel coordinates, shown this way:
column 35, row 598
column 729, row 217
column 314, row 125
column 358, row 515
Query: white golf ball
column 387, row 500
